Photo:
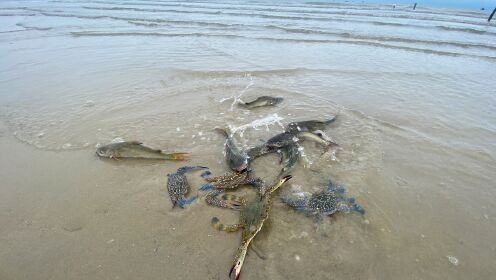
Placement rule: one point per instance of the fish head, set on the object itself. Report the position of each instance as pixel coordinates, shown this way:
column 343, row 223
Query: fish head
column 322, row 135
column 318, row 136
column 104, row 151
column 330, row 145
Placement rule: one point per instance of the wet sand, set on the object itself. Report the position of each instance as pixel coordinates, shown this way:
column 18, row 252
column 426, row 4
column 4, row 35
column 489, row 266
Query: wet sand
column 414, row 95
column 80, row 217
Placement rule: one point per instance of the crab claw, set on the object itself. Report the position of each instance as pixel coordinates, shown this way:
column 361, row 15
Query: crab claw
column 235, row 271
column 286, row 178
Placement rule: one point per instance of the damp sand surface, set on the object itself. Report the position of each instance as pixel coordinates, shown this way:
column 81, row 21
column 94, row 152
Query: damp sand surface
column 414, row 93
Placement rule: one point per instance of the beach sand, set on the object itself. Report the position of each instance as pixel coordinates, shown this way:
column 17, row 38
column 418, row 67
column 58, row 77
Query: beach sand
column 414, row 94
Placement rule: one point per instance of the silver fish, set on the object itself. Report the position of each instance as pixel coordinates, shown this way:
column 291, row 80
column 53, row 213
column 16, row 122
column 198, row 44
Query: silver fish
column 262, row 101
column 311, row 125
column 135, row 149
column 317, row 136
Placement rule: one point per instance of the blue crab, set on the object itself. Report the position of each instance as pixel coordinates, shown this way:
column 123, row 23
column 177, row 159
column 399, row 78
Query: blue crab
column 251, row 220
column 178, row 187
column 326, row 202
column 230, row 181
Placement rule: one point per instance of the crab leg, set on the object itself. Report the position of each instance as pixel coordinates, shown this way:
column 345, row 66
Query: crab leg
column 183, row 201
column 184, row 169
column 238, row 200
column 229, row 228
column 228, row 200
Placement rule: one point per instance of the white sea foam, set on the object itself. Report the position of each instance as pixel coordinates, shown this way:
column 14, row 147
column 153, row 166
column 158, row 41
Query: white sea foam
column 256, row 124
column 237, row 97
column 453, row 260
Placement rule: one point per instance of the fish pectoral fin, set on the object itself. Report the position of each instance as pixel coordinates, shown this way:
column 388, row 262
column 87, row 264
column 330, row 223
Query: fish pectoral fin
column 135, row 142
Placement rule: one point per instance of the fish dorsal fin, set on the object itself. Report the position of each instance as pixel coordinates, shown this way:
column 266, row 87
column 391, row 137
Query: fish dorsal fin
column 135, row 142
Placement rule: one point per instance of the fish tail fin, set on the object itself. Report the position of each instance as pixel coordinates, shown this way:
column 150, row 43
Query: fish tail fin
column 177, row 156
column 218, row 225
column 221, row 131
column 255, row 152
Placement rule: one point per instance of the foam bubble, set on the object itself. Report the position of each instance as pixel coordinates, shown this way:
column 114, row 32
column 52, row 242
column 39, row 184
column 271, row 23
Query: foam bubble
column 453, row 260
column 261, row 122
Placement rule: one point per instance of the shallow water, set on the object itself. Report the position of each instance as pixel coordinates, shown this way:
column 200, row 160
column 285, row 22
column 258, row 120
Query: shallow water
column 414, row 92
